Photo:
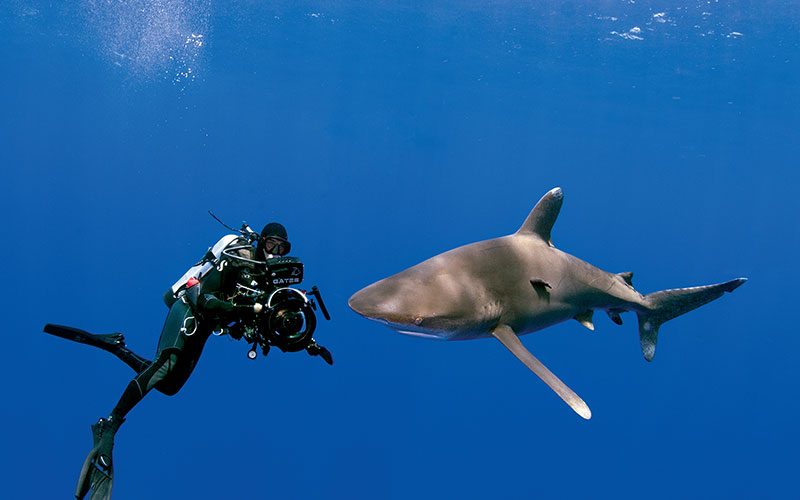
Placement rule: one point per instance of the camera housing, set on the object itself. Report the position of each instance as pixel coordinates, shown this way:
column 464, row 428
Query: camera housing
column 284, row 271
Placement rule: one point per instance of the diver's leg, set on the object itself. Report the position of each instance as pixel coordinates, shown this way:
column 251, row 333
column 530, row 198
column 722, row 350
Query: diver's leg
column 130, row 358
column 97, row 473
column 136, row 390
column 178, row 336
column 98, row 468
column 111, row 342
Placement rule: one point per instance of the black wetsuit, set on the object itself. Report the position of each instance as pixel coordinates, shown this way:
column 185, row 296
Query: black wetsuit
column 231, row 279
column 188, row 326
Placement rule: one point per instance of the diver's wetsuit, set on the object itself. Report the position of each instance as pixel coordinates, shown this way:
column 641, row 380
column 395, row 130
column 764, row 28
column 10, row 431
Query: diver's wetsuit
column 218, row 293
column 188, row 327
column 206, row 305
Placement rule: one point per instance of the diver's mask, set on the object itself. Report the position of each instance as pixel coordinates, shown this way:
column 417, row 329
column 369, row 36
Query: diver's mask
column 275, row 245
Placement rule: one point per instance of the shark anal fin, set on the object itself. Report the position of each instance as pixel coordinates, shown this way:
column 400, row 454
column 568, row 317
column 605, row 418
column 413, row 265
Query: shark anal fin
column 585, row 318
column 543, row 216
column 506, row 335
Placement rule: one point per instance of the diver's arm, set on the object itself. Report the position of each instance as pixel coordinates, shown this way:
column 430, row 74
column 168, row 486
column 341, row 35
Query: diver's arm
column 211, row 296
column 210, row 302
column 219, row 284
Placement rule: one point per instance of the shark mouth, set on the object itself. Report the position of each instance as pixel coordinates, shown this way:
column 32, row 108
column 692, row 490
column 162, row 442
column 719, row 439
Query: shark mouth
column 423, row 335
column 410, row 330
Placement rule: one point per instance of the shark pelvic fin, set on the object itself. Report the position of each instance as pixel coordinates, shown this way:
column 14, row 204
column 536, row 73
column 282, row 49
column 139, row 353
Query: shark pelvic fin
column 506, row 335
column 585, row 318
column 541, row 219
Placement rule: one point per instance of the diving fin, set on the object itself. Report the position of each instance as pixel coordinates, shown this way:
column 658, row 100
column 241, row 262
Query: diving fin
column 97, row 473
column 509, row 339
column 106, row 342
column 110, row 342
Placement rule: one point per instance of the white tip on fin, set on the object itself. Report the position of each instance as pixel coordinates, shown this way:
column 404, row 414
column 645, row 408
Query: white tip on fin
column 585, row 318
column 509, row 339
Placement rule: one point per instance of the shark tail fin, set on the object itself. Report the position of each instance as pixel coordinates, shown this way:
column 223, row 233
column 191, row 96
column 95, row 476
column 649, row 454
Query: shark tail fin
column 668, row 304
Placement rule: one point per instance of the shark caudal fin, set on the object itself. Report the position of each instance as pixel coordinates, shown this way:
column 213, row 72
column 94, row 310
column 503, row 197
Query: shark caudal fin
column 667, row 304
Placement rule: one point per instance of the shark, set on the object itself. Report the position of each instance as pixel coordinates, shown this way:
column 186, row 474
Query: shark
column 506, row 287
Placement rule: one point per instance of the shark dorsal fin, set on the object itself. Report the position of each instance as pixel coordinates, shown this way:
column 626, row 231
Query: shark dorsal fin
column 541, row 219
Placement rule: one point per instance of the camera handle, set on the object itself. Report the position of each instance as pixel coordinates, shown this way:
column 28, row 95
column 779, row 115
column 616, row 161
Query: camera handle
column 315, row 292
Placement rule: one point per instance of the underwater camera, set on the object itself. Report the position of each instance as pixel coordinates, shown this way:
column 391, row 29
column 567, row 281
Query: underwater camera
column 288, row 320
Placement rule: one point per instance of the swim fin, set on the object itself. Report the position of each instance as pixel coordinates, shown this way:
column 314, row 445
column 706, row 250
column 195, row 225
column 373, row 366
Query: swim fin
column 106, row 342
column 97, row 473
column 111, row 342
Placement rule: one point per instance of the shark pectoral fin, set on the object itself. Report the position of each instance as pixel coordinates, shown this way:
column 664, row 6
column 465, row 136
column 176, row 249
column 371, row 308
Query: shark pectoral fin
column 509, row 339
column 585, row 318
column 541, row 219
column 540, row 283
column 541, row 287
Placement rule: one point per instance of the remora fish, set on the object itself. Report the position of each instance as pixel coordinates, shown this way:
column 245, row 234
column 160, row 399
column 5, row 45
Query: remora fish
column 518, row 284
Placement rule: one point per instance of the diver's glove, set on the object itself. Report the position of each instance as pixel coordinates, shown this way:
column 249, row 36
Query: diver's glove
column 247, row 308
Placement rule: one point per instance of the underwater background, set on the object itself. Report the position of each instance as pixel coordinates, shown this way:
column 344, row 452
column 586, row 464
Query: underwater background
column 382, row 133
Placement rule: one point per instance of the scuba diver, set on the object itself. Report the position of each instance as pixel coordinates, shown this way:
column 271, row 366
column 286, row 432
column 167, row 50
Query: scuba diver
column 236, row 289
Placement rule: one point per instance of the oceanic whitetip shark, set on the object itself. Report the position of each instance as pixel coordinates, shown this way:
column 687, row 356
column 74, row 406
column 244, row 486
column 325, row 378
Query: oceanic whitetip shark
column 518, row 284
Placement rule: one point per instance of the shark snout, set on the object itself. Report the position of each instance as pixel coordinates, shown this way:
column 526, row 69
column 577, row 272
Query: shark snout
column 361, row 303
column 410, row 303
column 381, row 302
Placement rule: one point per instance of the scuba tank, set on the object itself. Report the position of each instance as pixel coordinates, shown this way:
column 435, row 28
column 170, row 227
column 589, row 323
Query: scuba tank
column 197, row 271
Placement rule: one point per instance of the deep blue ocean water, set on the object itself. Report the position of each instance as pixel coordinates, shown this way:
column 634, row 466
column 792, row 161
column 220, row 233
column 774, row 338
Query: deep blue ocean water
column 380, row 134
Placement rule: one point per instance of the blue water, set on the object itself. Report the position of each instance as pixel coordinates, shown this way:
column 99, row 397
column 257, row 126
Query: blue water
column 380, row 134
